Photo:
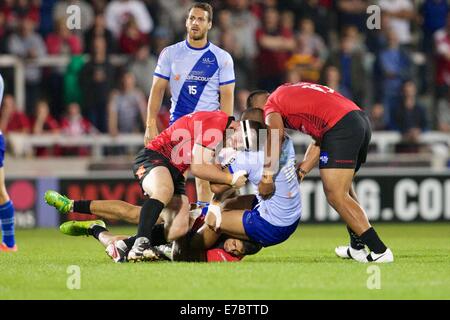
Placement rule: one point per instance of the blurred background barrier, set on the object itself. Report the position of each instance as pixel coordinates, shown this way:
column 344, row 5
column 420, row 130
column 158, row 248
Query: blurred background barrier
column 402, row 195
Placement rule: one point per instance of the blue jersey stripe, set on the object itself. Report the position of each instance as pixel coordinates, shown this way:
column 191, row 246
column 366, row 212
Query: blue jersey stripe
column 196, row 81
column 227, row 82
column 161, row 76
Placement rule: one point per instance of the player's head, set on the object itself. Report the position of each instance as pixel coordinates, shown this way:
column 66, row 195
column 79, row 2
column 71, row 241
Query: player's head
column 199, row 20
column 254, row 114
column 240, row 248
column 257, row 99
column 246, row 135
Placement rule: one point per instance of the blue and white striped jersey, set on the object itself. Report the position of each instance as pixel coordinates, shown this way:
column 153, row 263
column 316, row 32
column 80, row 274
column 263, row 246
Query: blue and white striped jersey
column 284, row 207
column 195, row 75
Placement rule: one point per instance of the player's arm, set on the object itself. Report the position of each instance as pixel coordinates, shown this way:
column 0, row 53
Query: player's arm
column 154, row 104
column 227, row 98
column 203, row 167
column 310, row 159
column 275, row 135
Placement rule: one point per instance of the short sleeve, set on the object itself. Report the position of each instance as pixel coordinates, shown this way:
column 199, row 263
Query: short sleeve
column 226, row 71
column 163, row 66
column 271, row 106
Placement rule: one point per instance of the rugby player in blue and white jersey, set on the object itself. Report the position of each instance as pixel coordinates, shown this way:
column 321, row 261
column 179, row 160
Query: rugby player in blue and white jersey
column 6, row 206
column 268, row 222
column 200, row 75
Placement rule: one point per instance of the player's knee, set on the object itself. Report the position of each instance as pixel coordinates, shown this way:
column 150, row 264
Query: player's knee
column 133, row 214
column 335, row 198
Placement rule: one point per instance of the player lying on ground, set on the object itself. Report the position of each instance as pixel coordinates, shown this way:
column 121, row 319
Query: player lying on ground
column 117, row 246
column 189, row 143
column 341, row 133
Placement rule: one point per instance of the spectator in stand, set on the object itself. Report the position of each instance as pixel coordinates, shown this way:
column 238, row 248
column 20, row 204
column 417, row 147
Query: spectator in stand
column 131, row 38
column 352, row 12
column 351, row 66
column 392, row 68
column 314, row 10
column 28, row 8
column 443, row 114
column 97, row 80
column 442, row 43
column 86, row 11
column 310, row 52
column 27, row 44
column 60, row 42
column 11, row 20
column 119, row 12
column 11, row 119
column 143, row 64
column 377, row 117
column 73, row 124
column 275, row 46
column 434, row 15
column 333, row 81
column 126, row 108
column 44, row 123
column 410, row 118
column 377, row 39
column 245, row 25
column 63, row 41
column 99, row 30
column 400, row 13
column 99, row 6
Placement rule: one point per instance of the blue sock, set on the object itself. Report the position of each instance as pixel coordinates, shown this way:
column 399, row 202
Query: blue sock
column 7, row 222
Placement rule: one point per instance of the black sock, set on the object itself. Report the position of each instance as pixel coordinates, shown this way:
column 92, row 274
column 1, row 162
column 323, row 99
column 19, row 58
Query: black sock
column 371, row 239
column 158, row 235
column 150, row 211
column 82, row 206
column 355, row 241
column 96, row 230
column 130, row 241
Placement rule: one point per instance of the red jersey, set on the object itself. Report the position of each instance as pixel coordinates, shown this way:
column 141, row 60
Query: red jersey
column 220, row 255
column 310, row 108
column 206, row 128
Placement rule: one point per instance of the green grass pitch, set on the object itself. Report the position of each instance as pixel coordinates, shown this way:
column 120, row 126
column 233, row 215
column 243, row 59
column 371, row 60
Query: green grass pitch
column 304, row 267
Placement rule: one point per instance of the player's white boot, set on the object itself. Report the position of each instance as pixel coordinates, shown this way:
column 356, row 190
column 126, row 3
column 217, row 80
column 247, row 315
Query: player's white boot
column 385, row 257
column 347, row 252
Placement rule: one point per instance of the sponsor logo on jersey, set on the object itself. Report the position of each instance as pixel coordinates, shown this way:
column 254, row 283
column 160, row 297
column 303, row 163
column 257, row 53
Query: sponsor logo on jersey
column 323, row 158
column 209, row 60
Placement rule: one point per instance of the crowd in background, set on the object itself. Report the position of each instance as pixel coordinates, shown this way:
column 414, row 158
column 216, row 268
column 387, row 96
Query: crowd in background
column 399, row 73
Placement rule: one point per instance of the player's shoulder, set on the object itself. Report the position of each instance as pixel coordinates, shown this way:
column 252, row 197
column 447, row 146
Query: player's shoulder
column 173, row 48
column 219, row 52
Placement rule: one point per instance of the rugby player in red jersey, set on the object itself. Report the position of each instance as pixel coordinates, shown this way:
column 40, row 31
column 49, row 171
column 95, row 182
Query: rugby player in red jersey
column 190, row 142
column 341, row 133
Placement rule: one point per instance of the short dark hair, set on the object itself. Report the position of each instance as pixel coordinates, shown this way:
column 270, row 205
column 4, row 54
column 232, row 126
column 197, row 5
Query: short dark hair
column 205, row 7
column 250, row 247
column 251, row 97
column 255, row 114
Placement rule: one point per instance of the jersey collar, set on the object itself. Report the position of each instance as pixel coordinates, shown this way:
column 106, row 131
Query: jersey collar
column 190, row 47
